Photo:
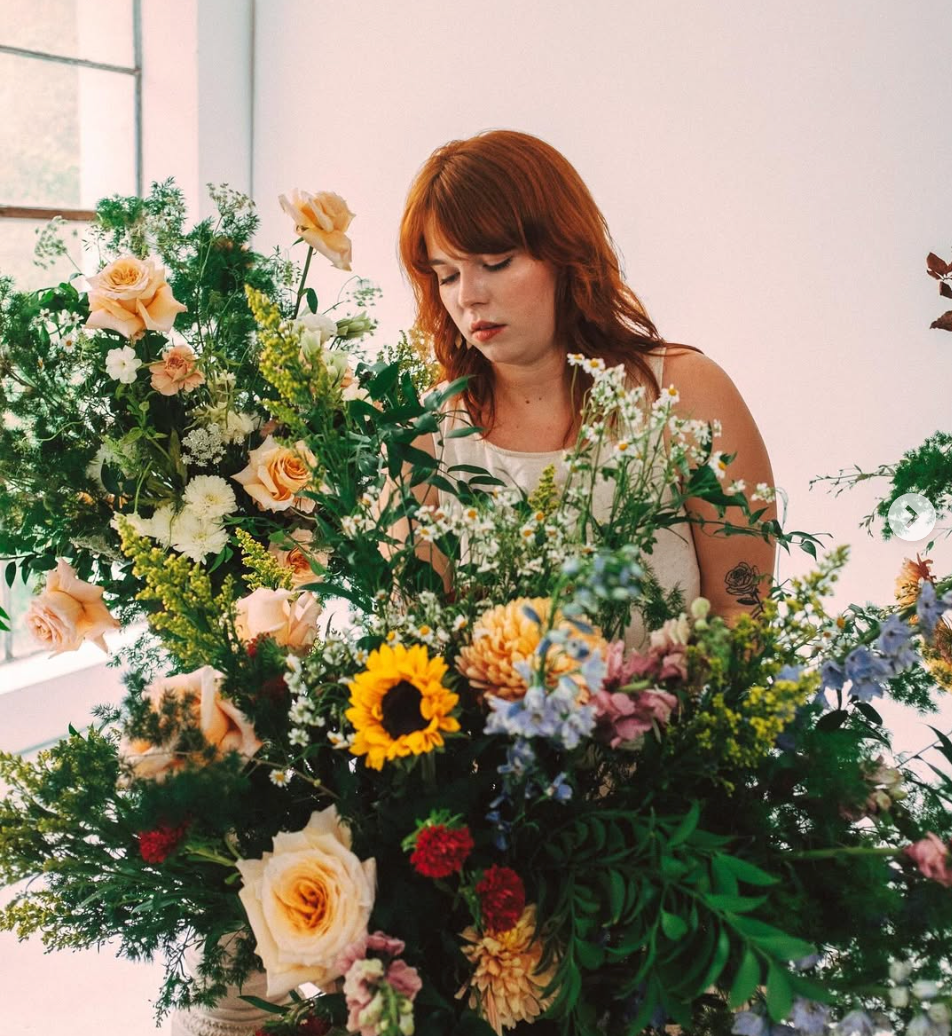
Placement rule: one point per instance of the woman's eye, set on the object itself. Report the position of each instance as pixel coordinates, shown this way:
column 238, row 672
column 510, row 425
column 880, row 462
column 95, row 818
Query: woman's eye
column 448, row 279
column 499, row 266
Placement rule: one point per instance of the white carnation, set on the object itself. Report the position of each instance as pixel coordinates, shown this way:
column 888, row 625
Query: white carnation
column 160, row 524
column 209, row 496
column 196, row 537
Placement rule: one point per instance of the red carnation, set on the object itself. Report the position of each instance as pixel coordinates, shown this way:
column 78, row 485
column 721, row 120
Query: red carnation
column 313, row 1027
column 441, row 851
column 155, row 845
column 502, row 898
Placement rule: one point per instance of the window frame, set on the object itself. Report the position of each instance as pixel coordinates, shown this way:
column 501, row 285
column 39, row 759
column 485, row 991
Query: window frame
column 44, row 212
column 77, row 215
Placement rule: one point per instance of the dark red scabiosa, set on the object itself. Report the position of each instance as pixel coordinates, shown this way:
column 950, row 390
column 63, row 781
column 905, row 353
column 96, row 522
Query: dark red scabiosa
column 157, row 844
column 502, row 898
column 441, row 850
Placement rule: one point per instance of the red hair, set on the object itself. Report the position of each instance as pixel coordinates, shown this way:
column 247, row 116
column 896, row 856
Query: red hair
column 502, row 190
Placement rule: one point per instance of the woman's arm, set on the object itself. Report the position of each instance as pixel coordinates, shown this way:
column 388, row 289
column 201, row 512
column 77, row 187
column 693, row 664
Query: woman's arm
column 732, row 567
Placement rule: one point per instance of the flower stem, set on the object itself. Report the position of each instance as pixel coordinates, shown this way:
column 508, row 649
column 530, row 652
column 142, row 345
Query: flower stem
column 846, row 850
column 300, row 291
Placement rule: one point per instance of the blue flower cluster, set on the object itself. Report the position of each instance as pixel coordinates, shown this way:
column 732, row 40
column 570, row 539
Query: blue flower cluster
column 807, row 1018
column 608, row 576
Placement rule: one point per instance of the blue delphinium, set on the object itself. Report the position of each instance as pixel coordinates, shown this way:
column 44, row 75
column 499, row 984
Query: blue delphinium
column 930, row 607
column 894, row 642
column 868, row 673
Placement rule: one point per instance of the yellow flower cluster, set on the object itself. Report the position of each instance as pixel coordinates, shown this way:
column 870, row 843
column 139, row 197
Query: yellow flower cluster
column 299, row 385
column 263, row 567
column 545, row 496
column 743, row 733
column 190, row 614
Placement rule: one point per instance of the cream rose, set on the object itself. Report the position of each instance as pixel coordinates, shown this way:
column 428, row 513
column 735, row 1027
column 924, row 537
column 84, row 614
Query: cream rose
column 289, row 618
column 177, row 371
column 223, row 725
column 320, row 220
column 68, row 612
column 307, row 902
column 130, row 296
column 276, row 475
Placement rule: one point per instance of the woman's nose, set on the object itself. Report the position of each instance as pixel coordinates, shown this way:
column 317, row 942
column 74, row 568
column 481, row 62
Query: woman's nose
column 472, row 288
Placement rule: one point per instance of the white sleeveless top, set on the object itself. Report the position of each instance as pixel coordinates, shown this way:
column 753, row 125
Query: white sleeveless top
column 673, row 561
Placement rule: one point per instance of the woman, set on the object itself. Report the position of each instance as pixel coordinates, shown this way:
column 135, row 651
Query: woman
column 512, row 267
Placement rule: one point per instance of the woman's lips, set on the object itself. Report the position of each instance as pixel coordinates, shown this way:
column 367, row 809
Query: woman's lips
column 487, row 332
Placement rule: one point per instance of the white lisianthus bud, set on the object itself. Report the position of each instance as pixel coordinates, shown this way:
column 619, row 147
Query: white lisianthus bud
column 925, row 989
column 940, row 1013
column 900, row 970
column 700, row 608
column 899, row 996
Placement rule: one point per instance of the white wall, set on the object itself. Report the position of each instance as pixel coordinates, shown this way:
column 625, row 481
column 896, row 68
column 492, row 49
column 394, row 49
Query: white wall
column 773, row 173
column 197, row 81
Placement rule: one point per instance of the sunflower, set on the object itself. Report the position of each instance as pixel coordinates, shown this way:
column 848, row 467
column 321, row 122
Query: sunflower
column 399, row 705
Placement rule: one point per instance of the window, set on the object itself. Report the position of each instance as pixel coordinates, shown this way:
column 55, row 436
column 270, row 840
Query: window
column 71, row 94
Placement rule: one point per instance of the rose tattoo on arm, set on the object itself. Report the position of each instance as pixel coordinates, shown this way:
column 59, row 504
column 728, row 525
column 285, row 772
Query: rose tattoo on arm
column 743, row 582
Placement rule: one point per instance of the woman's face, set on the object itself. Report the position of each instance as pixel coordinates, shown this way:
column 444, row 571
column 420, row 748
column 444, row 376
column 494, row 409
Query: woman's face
column 503, row 305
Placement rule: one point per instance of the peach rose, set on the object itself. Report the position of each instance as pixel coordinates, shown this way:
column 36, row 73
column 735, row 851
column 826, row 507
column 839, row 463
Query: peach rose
column 177, row 371
column 289, row 619
column 223, row 725
column 131, row 296
column 297, row 559
column 321, row 219
column 275, row 475
column 307, row 902
column 68, row 612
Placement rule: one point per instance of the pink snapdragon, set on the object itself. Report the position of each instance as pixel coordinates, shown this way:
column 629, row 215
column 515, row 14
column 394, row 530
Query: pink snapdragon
column 379, row 988
column 932, row 856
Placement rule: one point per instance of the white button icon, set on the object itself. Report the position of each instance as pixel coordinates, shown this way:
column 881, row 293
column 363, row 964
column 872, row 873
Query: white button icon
column 911, row 516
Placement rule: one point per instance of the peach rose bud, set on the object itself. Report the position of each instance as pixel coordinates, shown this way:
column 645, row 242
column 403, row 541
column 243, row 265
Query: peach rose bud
column 177, row 371
column 68, row 612
column 131, row 296
column 289, row 618
column 223, row 725
column 320, row 220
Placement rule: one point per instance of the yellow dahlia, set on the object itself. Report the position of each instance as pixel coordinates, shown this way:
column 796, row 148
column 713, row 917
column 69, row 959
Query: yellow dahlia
column 506, row 987
column 399, row 705
column 505, row 635
column 910, row 578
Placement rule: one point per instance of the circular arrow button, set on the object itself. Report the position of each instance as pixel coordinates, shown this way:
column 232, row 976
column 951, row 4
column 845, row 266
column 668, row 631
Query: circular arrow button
column 911, row 516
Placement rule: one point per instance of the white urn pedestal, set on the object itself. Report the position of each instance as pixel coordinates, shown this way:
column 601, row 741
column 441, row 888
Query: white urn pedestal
column 231, row 1016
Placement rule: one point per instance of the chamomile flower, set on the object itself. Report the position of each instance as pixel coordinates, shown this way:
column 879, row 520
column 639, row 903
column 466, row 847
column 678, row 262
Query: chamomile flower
column 281, row 778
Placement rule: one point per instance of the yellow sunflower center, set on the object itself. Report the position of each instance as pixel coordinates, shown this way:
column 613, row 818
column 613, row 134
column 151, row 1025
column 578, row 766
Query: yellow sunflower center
column 400, row 710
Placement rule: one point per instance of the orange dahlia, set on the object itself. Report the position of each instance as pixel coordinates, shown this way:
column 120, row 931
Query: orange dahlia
column 505, row 635
column 506, row 987
column 911, row 576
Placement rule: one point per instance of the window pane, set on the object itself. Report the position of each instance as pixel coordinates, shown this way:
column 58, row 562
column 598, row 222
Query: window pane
column 67, row 133
column 98, row 30
column 18, row 239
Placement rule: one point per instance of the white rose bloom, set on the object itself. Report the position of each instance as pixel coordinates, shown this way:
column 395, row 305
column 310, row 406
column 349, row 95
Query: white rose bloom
column 122, row 364
column 196, row 537
column 238, row 426
column 209, row 496
column 317, row 328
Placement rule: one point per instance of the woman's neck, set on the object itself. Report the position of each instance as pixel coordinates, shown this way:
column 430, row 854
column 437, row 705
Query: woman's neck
column 533, row 406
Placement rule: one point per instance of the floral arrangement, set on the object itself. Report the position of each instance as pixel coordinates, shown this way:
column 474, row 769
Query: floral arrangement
column 468, row 809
